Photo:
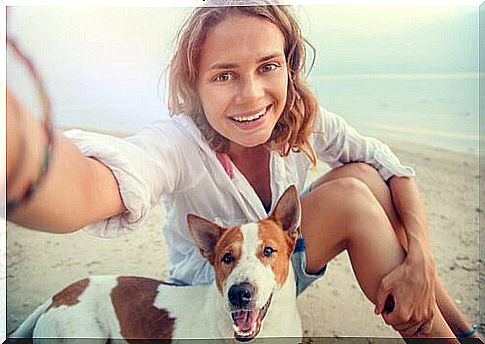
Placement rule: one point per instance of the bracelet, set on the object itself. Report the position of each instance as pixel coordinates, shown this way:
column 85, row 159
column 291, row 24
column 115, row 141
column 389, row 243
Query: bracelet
column 467, row 334
column 33, row 186
column 47, row 125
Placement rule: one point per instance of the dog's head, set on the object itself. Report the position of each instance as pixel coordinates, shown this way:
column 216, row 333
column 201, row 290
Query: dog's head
column 251, row 261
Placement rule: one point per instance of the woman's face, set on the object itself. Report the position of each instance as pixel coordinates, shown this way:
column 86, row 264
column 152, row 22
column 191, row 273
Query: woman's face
column 242, row 81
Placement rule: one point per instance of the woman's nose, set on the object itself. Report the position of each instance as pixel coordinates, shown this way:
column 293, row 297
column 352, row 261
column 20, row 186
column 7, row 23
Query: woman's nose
column 251, row 88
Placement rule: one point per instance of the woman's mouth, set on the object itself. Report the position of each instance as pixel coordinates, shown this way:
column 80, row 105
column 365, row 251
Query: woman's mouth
column 251, row 120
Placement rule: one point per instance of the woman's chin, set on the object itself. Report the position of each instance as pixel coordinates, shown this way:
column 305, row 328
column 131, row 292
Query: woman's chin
column 255, row 142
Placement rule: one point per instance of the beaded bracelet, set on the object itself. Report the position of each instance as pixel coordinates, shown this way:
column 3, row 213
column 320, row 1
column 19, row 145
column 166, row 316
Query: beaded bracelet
column 47, row 125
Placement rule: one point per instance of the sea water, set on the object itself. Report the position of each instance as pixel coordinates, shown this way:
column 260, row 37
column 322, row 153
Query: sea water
column 436, row 110
column 440, row 110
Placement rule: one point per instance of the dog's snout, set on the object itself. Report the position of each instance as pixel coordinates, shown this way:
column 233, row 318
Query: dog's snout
column 240, row 295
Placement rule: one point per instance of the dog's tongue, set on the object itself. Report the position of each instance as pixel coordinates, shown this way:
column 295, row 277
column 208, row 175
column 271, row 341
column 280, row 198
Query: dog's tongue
column 244, row 319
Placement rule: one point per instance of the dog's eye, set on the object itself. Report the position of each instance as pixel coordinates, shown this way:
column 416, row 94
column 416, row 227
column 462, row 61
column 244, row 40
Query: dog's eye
column 227, row 258
column 268, row 251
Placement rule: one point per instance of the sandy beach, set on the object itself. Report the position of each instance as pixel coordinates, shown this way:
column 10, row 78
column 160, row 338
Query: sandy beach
column 40, row 264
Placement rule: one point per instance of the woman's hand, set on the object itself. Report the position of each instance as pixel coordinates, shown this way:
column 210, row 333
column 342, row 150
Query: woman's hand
column 411, row 285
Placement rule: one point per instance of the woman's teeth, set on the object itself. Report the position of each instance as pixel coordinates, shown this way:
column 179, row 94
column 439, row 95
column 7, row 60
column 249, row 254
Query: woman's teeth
column 250, row 118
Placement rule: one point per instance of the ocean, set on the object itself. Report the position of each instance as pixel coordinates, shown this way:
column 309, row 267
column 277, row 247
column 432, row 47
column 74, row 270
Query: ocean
column 436, row 110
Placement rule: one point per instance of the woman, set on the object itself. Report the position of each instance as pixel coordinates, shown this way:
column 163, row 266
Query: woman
column 246, row 127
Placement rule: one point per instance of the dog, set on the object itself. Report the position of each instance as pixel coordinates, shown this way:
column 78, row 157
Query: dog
column 253, row 295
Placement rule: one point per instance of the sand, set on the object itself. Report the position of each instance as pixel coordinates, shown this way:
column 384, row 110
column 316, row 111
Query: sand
column 40, row 264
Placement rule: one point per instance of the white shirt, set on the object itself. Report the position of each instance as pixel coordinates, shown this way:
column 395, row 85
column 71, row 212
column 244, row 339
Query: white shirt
column 170, row 158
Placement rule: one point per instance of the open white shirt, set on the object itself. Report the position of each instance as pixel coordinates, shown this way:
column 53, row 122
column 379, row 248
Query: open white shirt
column 170, row 161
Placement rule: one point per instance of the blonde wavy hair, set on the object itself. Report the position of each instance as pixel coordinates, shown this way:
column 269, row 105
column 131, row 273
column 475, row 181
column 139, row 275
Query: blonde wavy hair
column 293, row 129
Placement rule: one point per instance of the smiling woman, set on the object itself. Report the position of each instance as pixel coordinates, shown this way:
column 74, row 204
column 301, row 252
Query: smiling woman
column 243, row 86
column 245, row 127
column 244, row 74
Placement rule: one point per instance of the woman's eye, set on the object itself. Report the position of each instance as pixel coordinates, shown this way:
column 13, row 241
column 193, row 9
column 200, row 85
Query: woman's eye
column 227, row 258
column 269, row 67
column 268, row 251
column 223, row 77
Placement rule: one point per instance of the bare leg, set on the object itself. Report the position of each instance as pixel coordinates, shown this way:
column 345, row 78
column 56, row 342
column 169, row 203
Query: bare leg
column 344, row 214
column 455, row 319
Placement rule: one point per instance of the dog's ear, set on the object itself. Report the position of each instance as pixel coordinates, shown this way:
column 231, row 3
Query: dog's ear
column 287, row 212
column 205, row 234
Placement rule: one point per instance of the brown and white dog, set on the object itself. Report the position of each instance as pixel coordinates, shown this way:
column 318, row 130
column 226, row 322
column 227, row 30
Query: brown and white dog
column 254, row 293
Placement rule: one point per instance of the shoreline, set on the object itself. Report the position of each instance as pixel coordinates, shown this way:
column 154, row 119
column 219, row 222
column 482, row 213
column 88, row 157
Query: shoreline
column 387, row 140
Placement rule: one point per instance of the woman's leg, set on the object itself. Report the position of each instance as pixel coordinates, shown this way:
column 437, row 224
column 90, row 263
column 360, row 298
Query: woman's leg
column 457, row 321
column 344, row 214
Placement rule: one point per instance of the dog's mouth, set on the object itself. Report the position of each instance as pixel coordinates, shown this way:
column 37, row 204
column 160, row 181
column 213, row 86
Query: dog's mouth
column 247, row 322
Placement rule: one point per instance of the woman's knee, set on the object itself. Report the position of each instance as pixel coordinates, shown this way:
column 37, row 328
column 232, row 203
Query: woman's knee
column 374, row 181
column 359, row 170
column 337, row 213
column 348, row 185
column 330, row 213
column 350, row 195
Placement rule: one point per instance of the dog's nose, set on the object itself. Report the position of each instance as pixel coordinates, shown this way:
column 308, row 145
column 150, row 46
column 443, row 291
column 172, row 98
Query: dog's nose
column 241, row 295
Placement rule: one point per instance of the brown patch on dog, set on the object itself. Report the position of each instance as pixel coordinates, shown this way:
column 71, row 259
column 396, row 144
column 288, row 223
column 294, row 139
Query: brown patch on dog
column 69, row 296
column 272, row 235
column 230, row 242
column 133, row 300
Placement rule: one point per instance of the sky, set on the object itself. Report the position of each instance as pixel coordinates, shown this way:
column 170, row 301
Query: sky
column 380, row 39
column 135, row 43
column 99, row 57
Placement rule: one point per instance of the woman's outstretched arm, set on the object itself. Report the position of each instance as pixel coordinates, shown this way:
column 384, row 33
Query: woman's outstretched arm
column 76, row 190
